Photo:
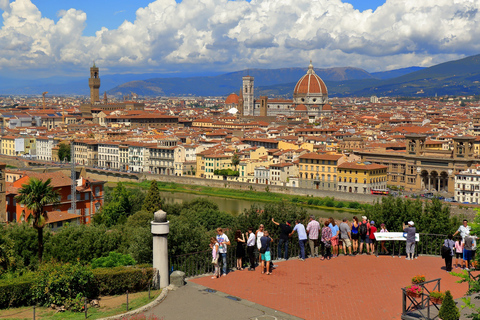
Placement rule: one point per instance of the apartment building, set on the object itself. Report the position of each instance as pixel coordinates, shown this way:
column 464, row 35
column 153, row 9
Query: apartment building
column 361, row 177
column 467, row 186
column 109, row 155
column 86, row 152
column 45, row 145
column 138, row 156
column 319, row 171
column 281, row 173
column 161, row 160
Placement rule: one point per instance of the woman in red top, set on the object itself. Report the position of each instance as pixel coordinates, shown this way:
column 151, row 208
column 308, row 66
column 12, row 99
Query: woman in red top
column 373, row 229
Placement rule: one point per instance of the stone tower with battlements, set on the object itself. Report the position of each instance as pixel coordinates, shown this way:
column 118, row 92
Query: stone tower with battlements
column 94, row 84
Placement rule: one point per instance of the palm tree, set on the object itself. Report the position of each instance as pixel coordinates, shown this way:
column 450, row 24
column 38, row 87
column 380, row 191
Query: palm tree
column 35, row 195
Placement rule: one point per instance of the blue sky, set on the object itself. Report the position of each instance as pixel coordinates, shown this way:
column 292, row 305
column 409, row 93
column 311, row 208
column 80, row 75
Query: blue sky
column 63, row 37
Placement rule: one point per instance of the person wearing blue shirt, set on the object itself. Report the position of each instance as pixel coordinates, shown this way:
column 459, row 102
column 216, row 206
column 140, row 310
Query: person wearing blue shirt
column 334, row 241
column 302, row 237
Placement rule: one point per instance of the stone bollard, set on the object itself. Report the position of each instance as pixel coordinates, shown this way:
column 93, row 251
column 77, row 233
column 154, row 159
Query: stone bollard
column 177, row 278
column 160, row 229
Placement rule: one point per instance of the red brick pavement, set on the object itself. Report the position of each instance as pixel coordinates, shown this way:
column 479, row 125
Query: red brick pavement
column 361, row 287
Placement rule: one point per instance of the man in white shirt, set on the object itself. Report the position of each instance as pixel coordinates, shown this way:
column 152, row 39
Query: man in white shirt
column 251, row 248
column 223, row 241
column 464, row 230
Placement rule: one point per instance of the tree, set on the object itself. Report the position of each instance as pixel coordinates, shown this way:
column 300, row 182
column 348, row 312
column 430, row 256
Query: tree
column 235, row 160
column 448, row 310
column 117, row 210
column 64, row 151
column 35, row 195
column 153, row 202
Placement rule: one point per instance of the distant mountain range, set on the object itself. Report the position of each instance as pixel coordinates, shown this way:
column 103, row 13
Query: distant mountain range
column 459, row 77
column 278, row 82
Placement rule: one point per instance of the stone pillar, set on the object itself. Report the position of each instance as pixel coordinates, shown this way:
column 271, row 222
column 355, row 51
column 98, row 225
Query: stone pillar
column 160, row 229
column 429, row 183
column 438, row 188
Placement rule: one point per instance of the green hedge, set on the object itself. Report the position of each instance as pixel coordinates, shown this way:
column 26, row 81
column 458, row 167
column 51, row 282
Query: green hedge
column 20, row 291
column 112, row 281
column 16, row 292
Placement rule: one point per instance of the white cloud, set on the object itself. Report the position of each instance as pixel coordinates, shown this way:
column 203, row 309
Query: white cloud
column 229, row 35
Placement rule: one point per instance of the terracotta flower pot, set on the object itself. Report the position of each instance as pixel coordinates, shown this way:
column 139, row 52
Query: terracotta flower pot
column 414, row 294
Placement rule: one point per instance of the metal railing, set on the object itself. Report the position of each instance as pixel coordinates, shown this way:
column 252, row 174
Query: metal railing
column 420, row 306
column 199, row 263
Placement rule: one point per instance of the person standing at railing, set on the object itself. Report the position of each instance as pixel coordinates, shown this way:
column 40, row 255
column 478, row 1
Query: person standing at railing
column 302, row 237
column 410, row 230
column 450, row 244
column 285, row 230
column 355, row 235
column 468, row 251
column 214, row 245
column 346, row 237
column 326, row 240
column 265, row 251
column 251, row 248
column 313, row 228
column 334, row 240
column 458, row 252
column 464, row 230
column 258, row 235
column 223, row 242
column 240, row 252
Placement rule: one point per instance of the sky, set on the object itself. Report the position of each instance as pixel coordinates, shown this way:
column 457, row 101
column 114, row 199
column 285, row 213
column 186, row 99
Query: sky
column 44, row 38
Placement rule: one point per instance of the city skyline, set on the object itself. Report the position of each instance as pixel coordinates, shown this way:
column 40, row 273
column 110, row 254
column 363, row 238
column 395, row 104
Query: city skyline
column 42, row 39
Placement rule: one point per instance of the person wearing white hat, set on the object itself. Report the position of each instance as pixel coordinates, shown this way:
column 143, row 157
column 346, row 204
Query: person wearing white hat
column 410, row 230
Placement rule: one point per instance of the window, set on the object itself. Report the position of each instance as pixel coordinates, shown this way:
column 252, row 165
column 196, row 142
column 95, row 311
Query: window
column 97, row 191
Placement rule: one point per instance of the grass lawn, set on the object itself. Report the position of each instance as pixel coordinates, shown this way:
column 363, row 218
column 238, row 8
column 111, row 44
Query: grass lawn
column 109, row 306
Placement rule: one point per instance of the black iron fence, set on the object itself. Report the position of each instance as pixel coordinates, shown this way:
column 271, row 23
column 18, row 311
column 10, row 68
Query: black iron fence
column 421, row 306
column 199, row 263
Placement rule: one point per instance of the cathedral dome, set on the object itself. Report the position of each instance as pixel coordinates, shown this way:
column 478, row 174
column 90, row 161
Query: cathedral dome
column 232, row 99
column 310, row 89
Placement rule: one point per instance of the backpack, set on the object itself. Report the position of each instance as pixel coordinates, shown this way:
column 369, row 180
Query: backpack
column 445, row 251
column 263, row 249
column 362, row 229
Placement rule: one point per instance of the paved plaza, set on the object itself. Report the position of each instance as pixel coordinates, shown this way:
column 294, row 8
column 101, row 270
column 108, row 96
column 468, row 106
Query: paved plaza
column 361, row 287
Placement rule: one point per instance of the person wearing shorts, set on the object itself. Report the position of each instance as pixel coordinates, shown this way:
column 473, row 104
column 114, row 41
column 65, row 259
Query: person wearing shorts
column 266, row 256
column 468, row 251
column 334, row 241
column 458, row 252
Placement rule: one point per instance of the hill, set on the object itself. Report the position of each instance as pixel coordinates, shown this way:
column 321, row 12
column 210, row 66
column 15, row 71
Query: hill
column 231, row 82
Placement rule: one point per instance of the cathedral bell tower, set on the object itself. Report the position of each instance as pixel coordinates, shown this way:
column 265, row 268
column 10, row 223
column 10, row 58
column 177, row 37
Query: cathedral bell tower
column 94, row 84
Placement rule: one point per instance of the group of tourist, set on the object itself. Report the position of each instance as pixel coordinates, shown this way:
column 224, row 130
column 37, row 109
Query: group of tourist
column 323, row 237
column 461, row 247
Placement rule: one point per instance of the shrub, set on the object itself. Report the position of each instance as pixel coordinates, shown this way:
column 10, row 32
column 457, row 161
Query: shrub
column 339, row 204
column 448, row 310
column 114, row 259
column 310, row 201
column 77, row 304
column 16, row 292
column 354, row 205
column 120, row 279
column 329, row 203
column 55, row 283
